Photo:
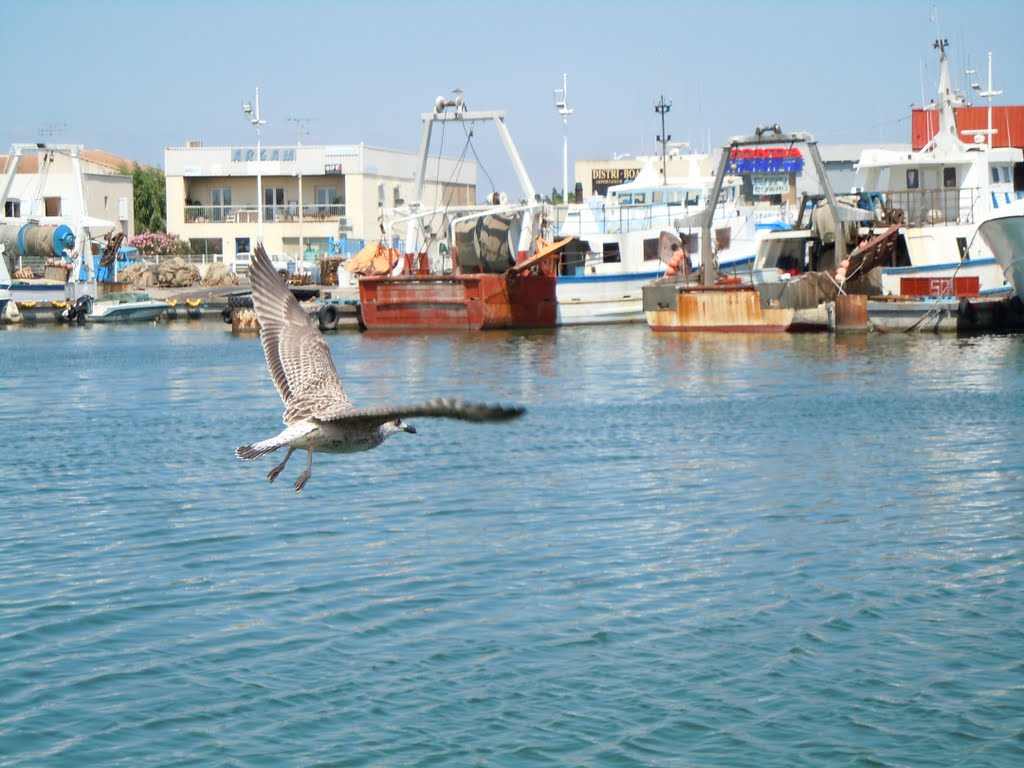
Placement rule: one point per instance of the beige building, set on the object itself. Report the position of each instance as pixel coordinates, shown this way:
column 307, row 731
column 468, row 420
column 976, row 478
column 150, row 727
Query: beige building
column 316, row 200
column 69, row 182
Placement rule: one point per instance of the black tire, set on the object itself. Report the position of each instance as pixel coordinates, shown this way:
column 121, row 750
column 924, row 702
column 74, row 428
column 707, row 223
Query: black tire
column 226, row 315
column 327, row 317
column 967, row 312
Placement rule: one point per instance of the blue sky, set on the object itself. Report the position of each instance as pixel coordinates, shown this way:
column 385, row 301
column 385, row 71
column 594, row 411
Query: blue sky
column 134, row 77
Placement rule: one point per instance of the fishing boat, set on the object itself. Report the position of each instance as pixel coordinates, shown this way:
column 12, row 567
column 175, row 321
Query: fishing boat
column 5, row 284
column 614, row 252
column 912, row 225
column 464, row 266
column 940, row 194
column 752, row 300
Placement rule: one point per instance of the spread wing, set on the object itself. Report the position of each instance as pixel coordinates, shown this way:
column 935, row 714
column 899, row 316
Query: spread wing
column 297, row 354
column 441, row 408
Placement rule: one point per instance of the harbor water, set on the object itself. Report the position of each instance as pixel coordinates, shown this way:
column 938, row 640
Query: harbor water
column 693, row 550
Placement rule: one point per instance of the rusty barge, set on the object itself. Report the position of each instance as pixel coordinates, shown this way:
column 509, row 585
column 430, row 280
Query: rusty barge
column 461, row 265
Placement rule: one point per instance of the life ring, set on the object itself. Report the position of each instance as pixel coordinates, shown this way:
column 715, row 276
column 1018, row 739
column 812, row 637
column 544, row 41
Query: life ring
column 328, row 317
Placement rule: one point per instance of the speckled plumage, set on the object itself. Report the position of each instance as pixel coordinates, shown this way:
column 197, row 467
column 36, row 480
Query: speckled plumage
column 318, row 415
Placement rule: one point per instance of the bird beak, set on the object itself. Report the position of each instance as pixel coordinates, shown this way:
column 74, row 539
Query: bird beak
column 410, row 429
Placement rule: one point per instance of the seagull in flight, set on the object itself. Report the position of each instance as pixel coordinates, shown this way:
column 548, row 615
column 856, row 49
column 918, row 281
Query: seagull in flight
column 318, row 415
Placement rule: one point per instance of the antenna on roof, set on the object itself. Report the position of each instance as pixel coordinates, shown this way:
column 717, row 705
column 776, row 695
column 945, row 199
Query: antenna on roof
column 50, row 130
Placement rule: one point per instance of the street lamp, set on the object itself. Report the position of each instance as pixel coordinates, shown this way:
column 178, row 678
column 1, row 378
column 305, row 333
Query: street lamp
column 254, row 119
column 562, row 105
column 661, row 108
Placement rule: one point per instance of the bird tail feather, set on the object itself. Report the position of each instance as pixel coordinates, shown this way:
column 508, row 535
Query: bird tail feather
column 263, row 447
column 255, row 450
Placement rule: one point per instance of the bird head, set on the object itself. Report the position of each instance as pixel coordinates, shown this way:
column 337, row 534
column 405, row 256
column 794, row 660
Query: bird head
column 395, row 426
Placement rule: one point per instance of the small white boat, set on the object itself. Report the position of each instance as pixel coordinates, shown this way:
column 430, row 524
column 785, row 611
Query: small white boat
column 126, row 306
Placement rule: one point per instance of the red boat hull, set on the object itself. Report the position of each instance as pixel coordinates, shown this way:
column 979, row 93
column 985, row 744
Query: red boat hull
column 472, row 301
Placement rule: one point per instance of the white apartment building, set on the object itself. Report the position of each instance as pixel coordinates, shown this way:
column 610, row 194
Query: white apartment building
column 316, row 200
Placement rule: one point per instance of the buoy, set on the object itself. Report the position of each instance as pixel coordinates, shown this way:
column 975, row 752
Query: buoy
column 11, row 313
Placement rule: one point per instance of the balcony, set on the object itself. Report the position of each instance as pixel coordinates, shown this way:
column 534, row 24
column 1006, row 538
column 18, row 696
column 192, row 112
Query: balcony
column 248, row 214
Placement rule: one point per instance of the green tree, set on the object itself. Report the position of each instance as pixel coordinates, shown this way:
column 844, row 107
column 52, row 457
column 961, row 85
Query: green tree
column 149, row 188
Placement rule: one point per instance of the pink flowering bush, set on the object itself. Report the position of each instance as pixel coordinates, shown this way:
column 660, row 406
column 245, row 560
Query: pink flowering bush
column 159, row 244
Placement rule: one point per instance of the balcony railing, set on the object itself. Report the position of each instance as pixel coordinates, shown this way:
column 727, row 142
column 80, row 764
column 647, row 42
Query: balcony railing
column 230, row 214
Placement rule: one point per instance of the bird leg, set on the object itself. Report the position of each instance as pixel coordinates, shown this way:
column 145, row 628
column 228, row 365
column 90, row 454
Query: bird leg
column 300, row 483
column 272, row 474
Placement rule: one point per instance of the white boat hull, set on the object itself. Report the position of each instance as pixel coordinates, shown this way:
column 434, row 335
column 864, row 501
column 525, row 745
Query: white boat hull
column 596, row 299
column 139, row 312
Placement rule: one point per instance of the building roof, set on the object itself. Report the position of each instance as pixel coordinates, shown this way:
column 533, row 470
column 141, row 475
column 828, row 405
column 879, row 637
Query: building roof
column 29, row 163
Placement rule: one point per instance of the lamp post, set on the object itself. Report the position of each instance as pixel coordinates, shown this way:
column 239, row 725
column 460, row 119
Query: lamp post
column 301, row 127
column 562, row 105
column 254, row 119
column 661, row 108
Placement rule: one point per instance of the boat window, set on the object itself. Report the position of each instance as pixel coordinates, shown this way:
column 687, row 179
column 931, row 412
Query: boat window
column 949, row 177
column 995, row 173
column 693, row 198
column 611, row 253
column 657, row 197
column 12, row 209
column 651, row 249
column 961, row 244
column 625, row 199
column 640, row 198
column 913, row 180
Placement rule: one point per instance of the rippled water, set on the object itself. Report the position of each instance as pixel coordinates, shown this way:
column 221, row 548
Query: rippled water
column 692, row 551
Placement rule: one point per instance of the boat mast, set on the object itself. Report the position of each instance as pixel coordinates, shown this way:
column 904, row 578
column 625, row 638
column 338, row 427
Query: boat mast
column 562, row 105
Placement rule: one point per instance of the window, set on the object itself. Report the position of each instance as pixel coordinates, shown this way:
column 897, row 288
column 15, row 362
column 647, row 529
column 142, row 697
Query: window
column 913, row 180
column 326, row 201
column 220, row 200
column 949, row 177
column 206, row 246
column 273, row 202
column 651, row 249
column 12, row 209
column 995, row 173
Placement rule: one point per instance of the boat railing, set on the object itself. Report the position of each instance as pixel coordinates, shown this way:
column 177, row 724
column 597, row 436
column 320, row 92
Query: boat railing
column 937, row 206
column 249, row 214
column 583, row 219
